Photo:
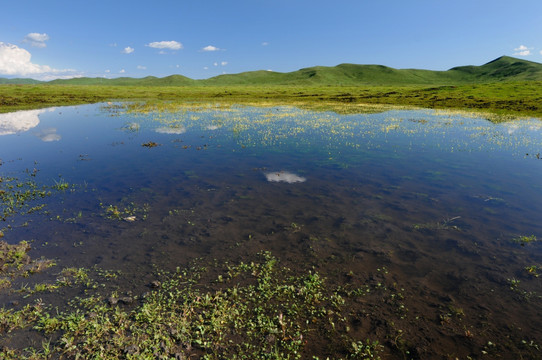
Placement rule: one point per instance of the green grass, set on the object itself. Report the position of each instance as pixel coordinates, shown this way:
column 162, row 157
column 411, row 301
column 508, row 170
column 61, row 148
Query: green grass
column 256, row 310
column 503, row 98
column 504, row 86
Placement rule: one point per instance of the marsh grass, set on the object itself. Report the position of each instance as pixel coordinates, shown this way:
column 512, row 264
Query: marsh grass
column 256, row 310
column 16, row 263
column 497, row 100
column 23, row 195
column 525, row 239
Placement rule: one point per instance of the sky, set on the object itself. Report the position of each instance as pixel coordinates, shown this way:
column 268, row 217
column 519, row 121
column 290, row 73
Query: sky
column 204, row 38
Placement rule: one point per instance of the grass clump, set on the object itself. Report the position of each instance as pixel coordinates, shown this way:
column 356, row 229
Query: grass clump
column 525, row 239
column 15, row 262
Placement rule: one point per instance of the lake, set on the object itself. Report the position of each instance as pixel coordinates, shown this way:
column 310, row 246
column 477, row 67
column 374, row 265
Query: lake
column 440, row 208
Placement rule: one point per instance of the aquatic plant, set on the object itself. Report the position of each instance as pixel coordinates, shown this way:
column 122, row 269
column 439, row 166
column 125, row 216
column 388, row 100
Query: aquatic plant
column 256, row 310
column 525, row 239
column 150, row 144
column 16, row 263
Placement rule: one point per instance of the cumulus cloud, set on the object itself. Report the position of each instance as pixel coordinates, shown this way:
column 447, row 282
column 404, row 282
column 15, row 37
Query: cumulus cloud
column 210, row 48
column 265, row 43
column 36, row 39
column 141, row 67
column 170, row 45
column 284, row 176
column 128, row 50
column 522, row 50
column 224, row 63
column 17, row 61
column 122, row 71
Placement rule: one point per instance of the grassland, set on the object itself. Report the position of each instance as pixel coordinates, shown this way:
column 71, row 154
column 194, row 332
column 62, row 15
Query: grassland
column 504, row 86
column 503, row 98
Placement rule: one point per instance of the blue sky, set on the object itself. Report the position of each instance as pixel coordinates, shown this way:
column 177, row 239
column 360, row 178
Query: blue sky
column 204, row 38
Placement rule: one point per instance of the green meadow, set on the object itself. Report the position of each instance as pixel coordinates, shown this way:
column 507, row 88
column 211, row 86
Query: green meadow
column 504, row 86
column 510, row 98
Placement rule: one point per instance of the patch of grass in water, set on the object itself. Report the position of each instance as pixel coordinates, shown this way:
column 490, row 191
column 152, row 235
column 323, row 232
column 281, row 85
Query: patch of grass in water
column 16, row 263
column 250, row 311
column 525, row 240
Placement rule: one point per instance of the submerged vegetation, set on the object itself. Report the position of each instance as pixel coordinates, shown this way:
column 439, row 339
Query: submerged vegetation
column 256, row 310
column 323, row 299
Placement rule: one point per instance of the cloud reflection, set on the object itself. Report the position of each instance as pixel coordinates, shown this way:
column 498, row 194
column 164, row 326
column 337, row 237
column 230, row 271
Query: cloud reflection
column 48, row 135
column 19, row 121
column 171, row 130
column 284, row 176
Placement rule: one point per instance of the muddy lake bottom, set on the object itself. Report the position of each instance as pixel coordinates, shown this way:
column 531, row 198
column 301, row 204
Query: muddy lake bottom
column 423, row 208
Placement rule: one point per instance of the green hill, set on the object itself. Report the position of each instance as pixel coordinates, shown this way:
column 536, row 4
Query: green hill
column 172, row 80
column 504, row 68
column 19, row 81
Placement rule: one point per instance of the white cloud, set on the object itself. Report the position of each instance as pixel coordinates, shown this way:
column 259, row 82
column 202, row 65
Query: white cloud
column 141, row 67
column 171, row 45
column 522, row 50
column 122, row 71
column 215, row 63
column 128, row 50
column 36, row 39
column 224, row 63
column 17, row 61
column 210, row 48
column 265, row 43
column 205, row 68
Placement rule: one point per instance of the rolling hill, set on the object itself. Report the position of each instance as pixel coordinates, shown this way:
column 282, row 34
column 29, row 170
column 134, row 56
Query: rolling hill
column 19, row 81
column 504, row 68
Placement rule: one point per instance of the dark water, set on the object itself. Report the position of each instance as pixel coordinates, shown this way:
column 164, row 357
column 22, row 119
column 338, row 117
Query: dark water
column 435, row 198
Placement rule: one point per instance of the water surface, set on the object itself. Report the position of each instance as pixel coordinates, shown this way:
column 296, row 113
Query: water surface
column 435, row 198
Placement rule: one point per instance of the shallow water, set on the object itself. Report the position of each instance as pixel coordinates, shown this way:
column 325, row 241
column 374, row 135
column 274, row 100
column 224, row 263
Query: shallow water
column 436, row 198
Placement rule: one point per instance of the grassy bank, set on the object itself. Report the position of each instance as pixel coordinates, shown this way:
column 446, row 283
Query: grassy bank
column 510, row 98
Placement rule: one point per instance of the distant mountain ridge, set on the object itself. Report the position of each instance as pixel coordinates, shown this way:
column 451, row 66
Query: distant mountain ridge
column 504, row 68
